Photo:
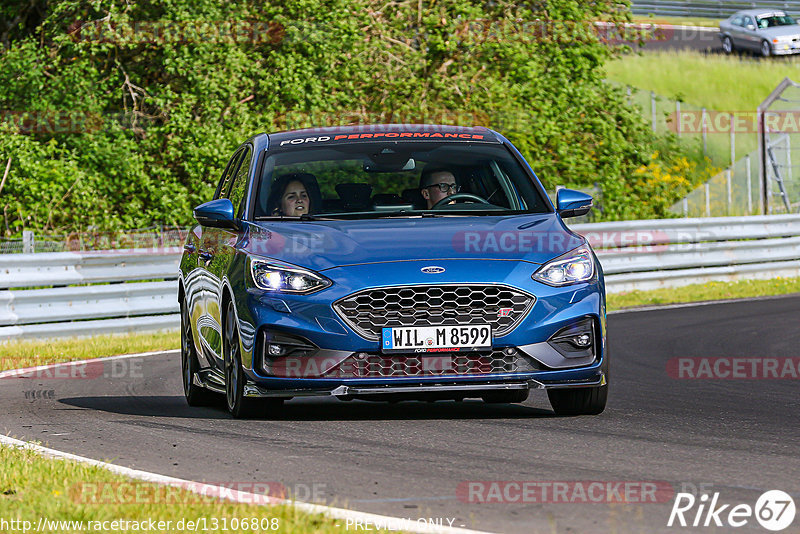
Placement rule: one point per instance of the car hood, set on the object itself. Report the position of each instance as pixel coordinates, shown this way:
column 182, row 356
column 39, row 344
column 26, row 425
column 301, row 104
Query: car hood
column 321, row 245
column 780, row 31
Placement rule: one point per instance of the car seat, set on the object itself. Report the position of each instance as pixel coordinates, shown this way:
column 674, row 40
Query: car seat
column 356, row 196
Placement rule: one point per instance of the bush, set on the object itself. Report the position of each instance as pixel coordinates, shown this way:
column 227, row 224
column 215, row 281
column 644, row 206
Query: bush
column 162, row 114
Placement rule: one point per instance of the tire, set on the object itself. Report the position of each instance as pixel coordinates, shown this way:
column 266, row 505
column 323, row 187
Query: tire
column 727, row 45
column 239, row 406
column 766, row 49
column 579, row 401
column 505, row 397
column 195, row 395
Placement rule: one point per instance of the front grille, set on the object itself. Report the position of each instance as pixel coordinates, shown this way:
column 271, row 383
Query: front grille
column 364, row 365
column 368, row 311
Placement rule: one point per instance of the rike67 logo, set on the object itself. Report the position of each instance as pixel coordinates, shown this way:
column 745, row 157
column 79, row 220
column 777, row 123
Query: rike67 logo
column 774, row 510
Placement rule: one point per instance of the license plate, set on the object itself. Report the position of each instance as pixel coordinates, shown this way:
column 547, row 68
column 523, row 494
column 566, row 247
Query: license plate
column 437, row 338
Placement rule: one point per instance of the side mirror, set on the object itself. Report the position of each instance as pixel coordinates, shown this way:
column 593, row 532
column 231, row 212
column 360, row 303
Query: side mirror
column 571, row 203
column 751, row 27
column 217, row 214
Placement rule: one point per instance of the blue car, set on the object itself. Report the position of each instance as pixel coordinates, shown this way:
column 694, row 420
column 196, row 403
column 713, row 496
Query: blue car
column 389, row 262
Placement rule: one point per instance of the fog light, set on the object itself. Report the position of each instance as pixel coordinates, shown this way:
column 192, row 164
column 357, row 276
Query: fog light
column 277, row 351
column 576, row 340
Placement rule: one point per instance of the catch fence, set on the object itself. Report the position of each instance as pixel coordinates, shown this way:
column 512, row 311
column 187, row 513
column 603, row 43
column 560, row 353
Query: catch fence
column 719, row 9
column 153, row 237
column 779, row 143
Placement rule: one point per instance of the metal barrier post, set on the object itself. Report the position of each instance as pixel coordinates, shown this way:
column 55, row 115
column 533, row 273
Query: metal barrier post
column 749, row 186
column 728, row 179
column 653, row 109
column 28, row 243
column 733, row 141
column 705, row 131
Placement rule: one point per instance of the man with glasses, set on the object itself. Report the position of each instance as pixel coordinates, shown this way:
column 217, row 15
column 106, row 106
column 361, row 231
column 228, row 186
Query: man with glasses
column 437, row 183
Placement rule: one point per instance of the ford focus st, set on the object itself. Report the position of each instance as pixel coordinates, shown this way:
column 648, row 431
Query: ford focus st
column 389, row 263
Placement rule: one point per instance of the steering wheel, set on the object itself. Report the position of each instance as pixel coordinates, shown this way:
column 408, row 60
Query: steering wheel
column 460, row 196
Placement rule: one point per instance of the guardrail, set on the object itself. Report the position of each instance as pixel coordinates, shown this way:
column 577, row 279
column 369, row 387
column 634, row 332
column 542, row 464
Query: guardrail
column 719, row 9
column 116, row 291
column 673, row 252
column 130, row 291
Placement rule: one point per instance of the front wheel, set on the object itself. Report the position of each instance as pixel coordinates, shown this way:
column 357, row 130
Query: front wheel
column 727, row 45
column 579, row 401
column 239, row 406
column 766, row 49
column 195, row 395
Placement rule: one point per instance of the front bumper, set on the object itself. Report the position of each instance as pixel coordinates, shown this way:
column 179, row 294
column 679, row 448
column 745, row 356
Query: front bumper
column 784, row 49
column 252, row 390
column 313, row 318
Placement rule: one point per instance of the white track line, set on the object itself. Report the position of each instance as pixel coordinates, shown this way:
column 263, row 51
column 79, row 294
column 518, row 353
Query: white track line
column 29, row 370
column 374, row 521
column 700, row 303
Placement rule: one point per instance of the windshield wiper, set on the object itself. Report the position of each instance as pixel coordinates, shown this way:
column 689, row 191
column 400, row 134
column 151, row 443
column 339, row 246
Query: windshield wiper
column 372, row 214
column 377, row 215
column 303, row 217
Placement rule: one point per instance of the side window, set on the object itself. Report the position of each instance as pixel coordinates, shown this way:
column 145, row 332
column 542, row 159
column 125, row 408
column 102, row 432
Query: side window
column 225, row 181
column 738, row 21
column 748, row 22
column 239, row 188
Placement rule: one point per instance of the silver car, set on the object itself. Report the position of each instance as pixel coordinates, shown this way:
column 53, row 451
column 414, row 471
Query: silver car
column 767, row 32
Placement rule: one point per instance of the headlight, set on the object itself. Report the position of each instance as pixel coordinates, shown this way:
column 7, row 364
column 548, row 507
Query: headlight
column 286, row 279
column 574, row 266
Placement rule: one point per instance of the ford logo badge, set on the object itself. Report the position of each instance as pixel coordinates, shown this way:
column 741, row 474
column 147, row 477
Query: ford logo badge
column 433, row 269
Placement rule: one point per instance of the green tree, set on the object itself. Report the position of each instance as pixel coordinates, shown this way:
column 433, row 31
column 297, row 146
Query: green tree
column 159, row 94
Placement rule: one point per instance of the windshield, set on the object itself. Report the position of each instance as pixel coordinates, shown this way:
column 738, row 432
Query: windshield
column 777, row 19
column 395, row 178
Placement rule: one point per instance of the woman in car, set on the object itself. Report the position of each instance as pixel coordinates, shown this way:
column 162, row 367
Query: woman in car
column 292, row 195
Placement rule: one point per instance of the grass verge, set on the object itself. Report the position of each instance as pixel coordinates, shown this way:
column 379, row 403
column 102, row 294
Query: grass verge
column 677, row 21
column 704, row 292
column 18, row 354
column 722, row 83
column 33, row 487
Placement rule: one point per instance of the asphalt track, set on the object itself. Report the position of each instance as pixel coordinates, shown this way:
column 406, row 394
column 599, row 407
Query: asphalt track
column 683, row 38
column 738, row 437
column 692, row 38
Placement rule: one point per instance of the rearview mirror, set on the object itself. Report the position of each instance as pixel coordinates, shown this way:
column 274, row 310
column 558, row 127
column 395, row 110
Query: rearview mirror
column 216, row 214
column 571, row 203
column 387, row 165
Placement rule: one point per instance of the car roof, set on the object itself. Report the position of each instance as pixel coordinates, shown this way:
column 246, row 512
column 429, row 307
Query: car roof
column 387, row 132
column 759, row 12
